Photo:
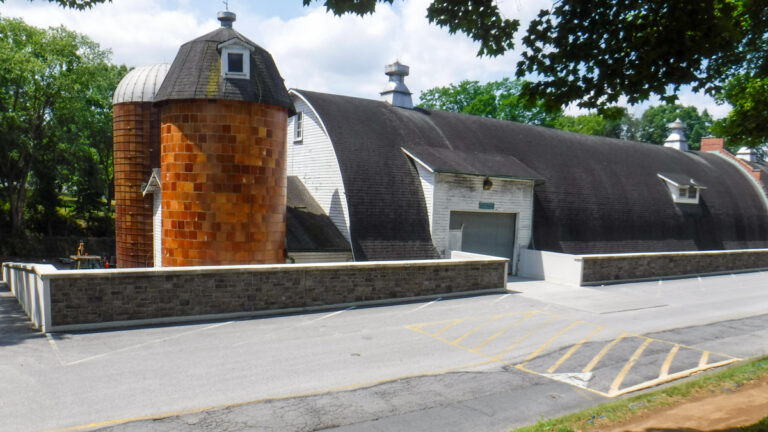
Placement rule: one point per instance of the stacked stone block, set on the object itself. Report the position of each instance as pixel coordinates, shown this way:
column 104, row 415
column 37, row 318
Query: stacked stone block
column 136, row 144
column 223, row 182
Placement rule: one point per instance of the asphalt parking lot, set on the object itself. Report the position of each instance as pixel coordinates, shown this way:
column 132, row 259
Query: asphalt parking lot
column 443, row 365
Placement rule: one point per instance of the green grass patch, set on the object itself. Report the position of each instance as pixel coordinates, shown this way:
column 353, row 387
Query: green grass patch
column 730, row 378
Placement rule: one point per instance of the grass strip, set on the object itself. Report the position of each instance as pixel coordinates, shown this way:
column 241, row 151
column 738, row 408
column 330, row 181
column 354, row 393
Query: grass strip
column 730, row 379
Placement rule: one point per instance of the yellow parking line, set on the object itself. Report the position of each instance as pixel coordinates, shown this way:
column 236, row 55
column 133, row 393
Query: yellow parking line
column 670, row 378
column 524, row 337
column 573, row 349
column 602, row 353
column 627, row 367
column 453, row 324
column 502, row 331
column 476, row 328
column 704, row 358
column 549, row 341
column 664, row 372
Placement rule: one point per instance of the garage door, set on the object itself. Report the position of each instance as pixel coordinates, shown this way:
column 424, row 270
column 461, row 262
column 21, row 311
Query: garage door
column 484, row 233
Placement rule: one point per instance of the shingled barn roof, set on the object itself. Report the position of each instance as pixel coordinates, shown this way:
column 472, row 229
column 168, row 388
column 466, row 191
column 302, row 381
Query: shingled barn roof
column 598, row 195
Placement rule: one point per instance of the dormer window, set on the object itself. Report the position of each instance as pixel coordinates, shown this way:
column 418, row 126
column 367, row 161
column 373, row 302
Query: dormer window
column 235, row 59
column 683, row 189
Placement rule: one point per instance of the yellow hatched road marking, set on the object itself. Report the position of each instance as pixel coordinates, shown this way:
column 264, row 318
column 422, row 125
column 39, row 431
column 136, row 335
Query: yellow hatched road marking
column 476, row 328
column 549, row 341
column 573, row 349
column 668, row 361
column 524, row 337
column 453, row 324
column 627, row 367
column 704, row 358
column 603, row 352
column 502, row 331
column 615, row 388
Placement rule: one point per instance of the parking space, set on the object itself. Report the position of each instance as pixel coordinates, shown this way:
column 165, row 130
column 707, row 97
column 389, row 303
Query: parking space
column 606, row 361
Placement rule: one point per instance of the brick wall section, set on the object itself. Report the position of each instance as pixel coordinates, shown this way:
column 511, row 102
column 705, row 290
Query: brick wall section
column 98, row 297
column 712, row 144
column 223, row 183
column 598, row 269
column 136, row 144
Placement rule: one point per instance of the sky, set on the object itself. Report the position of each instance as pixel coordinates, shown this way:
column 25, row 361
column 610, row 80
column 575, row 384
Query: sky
column 313, row 49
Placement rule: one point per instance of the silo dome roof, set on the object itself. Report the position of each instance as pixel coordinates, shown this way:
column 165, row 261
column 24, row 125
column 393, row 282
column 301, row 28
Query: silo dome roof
column 141, row 84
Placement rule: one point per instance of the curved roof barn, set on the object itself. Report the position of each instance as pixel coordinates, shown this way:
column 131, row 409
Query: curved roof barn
column 592, row 194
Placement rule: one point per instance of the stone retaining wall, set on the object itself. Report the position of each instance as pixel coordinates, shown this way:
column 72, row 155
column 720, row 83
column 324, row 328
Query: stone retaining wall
column 598, row 269
column 110, row 298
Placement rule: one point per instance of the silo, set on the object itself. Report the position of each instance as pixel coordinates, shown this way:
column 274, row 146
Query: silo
column 136, row 127
column 224, row 111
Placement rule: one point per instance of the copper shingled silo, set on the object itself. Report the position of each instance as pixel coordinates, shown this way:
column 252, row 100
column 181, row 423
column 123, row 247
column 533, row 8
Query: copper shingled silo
column 136, row 133
column 224, row 183
column 224, row 111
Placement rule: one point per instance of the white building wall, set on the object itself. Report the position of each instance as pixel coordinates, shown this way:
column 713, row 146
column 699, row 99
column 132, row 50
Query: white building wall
column 454, row 192
column 313, row 160
column 427, row 179
column 157, row 229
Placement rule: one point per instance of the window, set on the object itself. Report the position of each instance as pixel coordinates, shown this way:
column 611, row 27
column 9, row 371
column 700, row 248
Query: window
column 298, row 127
column 235, row 59
column 682, row 189
column 235, row 62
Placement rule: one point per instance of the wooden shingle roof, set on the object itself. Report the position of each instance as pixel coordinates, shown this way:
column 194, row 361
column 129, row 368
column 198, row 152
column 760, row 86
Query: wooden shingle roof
column 196, row 74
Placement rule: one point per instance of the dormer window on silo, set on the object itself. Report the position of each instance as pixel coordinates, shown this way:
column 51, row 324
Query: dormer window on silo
column 235, row 59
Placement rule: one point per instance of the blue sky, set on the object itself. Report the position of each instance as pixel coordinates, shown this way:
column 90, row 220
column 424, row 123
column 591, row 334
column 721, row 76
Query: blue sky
column 314, row 50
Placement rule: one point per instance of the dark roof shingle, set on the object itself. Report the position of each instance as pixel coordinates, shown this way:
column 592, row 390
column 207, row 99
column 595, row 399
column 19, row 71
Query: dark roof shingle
column 599, row 195
column 196, row 74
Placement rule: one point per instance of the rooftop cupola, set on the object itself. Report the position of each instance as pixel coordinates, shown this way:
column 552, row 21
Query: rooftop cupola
column 747, row 154
column 676, row 138
column 226, row 18
column 396, row 92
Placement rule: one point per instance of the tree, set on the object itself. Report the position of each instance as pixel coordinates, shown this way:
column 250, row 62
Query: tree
column 75, row 4
column 596, row 52
column 653, row 129
column 618, row 124
column 746, row 122
column 55, row 91
column 495, row 99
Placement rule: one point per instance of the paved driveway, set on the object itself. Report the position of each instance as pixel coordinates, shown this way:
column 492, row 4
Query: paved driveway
column 477, row 363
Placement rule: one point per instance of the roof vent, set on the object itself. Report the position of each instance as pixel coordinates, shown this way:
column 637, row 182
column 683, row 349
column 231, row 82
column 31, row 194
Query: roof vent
column 226, row 18
column 676, row 138
column 396, row 92
column 747, row 154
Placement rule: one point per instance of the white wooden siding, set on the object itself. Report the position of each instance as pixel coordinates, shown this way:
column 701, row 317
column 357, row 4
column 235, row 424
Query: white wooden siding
column 427, row 179
column 157, row 229
column 464, row 193
column 314, row 161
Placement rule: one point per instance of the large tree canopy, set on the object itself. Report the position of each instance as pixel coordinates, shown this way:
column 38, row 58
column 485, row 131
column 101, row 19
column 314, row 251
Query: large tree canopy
column 596, row 53
column 75, row 4
column 55, row 121
column 495, row 99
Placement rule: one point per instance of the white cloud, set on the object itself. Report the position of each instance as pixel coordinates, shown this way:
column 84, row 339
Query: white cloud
column 313, row 49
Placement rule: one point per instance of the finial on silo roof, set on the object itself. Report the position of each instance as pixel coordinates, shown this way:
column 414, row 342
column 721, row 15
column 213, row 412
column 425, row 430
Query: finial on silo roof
column 226, row 17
